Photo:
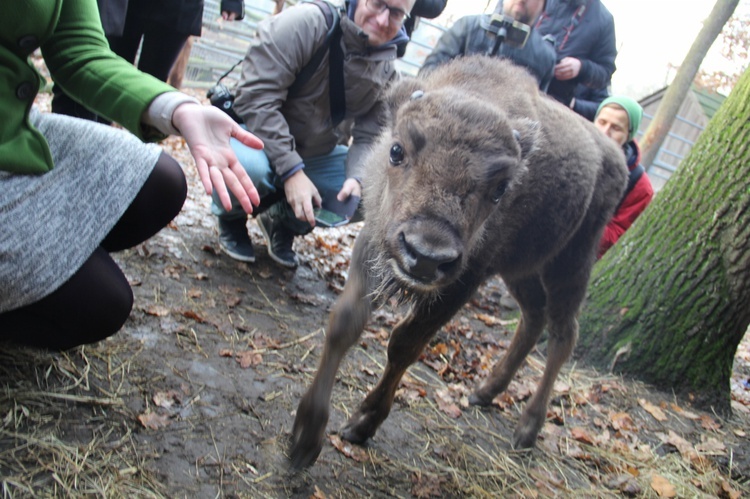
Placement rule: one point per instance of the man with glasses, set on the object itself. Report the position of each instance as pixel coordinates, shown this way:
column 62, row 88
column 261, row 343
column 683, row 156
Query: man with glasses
column 472, row 35
column 302, row 164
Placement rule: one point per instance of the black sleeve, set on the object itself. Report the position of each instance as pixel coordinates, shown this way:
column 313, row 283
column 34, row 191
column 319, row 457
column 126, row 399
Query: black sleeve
column 449, row 46
column 428, row 9
column 588, row 100
column 236, row 6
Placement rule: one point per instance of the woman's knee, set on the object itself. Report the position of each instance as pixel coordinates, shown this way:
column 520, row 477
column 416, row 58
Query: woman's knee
column 170, row 182
column 91, row 306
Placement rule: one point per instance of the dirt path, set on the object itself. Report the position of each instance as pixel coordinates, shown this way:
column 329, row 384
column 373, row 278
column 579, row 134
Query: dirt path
column 196, row 397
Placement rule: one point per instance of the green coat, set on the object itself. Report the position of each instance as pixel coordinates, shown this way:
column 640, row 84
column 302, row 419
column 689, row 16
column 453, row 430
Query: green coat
column 74, row 48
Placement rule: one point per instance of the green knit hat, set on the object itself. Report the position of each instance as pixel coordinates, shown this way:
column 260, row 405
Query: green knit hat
column 631, row 106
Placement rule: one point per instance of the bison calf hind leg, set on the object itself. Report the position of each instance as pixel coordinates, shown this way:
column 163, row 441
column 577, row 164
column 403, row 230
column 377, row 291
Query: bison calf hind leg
column 561, row 342
column 531, row 299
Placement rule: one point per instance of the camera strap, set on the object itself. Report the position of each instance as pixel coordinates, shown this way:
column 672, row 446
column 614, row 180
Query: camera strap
column 332, row 45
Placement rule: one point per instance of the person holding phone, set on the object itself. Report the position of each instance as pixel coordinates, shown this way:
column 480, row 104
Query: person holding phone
column 303, row 167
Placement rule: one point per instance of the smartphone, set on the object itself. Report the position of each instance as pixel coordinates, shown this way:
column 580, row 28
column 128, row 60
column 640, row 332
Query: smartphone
column 328, row 218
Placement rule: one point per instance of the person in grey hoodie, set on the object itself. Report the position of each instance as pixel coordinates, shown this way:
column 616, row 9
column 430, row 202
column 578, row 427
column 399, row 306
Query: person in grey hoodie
column 302, row 163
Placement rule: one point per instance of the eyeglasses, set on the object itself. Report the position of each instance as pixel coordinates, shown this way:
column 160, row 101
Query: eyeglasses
column 395, row 15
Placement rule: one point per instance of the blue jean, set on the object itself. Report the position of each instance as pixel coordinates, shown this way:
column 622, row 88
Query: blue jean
column 326, row 172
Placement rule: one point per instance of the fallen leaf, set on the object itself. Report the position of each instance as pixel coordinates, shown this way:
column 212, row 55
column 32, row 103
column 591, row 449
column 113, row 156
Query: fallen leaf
column 318, row 494
column 167, row 399
column 711, row 446
column 153, row 420
column 446, row 404
column 439, row 349
column 426, row 485
column 232, row 300
column 348, row 449
column 491, row 320
column 249, row 358
column 708, row 423
column 622, row 421
column 156, row 310
column 581, row 435
column 655, row 411
column 624, row 482
column 193, row 315
column 728, row 492
column 662, row 486
column 682, row 412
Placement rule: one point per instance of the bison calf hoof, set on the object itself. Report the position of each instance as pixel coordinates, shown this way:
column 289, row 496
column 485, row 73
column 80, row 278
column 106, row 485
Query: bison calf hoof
column 525, row 437
column 358, row 430
column 482, row 401
column 303, row 455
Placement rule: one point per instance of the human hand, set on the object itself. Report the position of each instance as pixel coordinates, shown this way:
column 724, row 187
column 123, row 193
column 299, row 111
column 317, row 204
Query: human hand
column 207, row 131
column 301, row 194
column 351, row 187
column 568, row 68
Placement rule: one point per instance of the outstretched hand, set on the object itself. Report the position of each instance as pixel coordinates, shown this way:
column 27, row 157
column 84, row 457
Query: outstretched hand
column 207, row 131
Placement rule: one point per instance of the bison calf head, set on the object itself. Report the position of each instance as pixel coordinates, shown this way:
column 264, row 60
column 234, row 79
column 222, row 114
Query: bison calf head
column 445, row 164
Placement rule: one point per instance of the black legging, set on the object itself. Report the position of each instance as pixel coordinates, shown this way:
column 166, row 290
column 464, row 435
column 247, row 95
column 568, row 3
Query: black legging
column 160, row 49
column 96, row 301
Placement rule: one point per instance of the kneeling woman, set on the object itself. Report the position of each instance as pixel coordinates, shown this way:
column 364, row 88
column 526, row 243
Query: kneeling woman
column 72, row 191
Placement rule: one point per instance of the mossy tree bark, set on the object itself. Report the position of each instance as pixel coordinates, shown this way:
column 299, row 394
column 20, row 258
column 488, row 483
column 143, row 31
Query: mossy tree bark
column 670, row 302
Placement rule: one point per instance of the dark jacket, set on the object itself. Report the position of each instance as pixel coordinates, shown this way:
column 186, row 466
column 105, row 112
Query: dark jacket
column 112, row 14
column 583, row 29
column 587, row 100
column 184, row 16
column 469, row 35
column 429, row 9
column 632, row 205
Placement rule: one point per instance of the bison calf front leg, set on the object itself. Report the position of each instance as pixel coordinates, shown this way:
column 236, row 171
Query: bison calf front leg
column 345, row 325
column 408, row 339
column 407, row 342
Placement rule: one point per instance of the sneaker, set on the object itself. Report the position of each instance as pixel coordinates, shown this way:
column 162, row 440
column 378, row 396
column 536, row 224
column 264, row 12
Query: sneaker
column 279, row 240
column 235, row 241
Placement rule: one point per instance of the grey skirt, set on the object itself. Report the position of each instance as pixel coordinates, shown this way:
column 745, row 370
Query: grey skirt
column 52, row 223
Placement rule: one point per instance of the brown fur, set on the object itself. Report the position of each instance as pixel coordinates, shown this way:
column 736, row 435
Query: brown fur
column 495, row 179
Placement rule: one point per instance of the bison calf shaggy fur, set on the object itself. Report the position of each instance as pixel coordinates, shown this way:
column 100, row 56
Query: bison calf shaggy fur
column 476, row 174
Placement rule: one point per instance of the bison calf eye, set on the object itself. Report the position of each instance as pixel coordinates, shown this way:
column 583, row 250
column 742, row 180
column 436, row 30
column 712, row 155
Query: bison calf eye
column 499, row 192
column 397, row 154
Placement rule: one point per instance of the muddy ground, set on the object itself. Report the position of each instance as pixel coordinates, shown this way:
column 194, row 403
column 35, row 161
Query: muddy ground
column 196, row 397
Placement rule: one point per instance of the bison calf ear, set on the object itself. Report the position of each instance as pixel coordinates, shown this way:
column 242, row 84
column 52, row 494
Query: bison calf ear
column 527, row 133
column 400, row 93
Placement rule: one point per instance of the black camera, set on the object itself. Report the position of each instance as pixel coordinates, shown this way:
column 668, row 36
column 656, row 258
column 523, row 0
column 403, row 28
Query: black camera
column 505, row 29
column 220, row 96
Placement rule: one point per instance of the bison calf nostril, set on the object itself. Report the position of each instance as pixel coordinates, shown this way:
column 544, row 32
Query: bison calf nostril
column 424, row 261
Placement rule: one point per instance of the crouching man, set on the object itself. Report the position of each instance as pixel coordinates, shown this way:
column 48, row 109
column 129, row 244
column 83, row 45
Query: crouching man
column 303, row 163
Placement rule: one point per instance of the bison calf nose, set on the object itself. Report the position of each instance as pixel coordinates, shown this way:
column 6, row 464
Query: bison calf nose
column 426, row 260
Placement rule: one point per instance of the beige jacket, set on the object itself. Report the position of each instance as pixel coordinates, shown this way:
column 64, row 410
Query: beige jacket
column 296, row 128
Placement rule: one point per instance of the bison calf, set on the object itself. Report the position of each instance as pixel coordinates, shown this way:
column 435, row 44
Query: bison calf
column 476, row 174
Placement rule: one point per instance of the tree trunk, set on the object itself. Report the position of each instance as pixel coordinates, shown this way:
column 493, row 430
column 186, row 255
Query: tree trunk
column 670, row 302
column 678, row 89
